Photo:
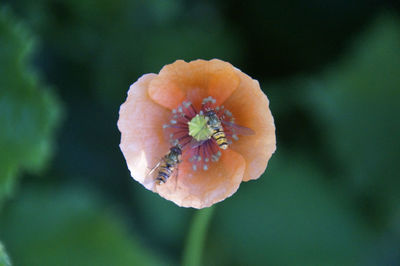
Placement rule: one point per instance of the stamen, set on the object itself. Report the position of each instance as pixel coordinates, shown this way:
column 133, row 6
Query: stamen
column 183, row 127
column 192, row 111
column 174, row 142
column 189, row 128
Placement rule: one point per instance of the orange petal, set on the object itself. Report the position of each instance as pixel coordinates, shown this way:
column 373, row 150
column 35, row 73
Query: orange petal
column 200, row 189
column 193, row 81
column 142, row 137
column 250, row 107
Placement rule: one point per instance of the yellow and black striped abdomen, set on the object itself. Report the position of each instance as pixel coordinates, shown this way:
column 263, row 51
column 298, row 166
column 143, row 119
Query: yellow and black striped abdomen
column 220, row 138
column 164, row 172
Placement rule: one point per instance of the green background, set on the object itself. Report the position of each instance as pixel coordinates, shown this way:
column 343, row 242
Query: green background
column 330, row 195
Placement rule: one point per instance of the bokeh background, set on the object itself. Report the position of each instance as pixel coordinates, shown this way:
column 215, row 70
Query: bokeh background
column 331, row 70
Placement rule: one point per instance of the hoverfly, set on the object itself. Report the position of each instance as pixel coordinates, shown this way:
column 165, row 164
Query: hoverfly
column 167, row 165
column 217, row 131
column 215, row 125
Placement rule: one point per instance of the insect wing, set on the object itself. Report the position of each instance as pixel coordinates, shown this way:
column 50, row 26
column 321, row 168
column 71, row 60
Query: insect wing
column 240, row 130
column 175, row 175
column 154, row 168
column 194, row 143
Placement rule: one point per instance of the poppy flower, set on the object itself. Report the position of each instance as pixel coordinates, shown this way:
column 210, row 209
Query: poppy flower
column 172, row 109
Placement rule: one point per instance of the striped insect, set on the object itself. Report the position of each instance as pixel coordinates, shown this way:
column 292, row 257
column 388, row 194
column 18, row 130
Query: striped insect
column 217, row 131
column 168, row 165
column 216, row 127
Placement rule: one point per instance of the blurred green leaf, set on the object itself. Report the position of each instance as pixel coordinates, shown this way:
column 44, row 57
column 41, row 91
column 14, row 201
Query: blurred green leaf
column 29, row 111
column 170, row 234
column 69, row 227
column 357, row 104
column 4, row 260
column 290, row 216
column 114, row 43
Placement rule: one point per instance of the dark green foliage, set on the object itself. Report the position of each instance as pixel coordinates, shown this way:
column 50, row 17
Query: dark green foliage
column 357, row 102
column 289, row 217
column 69, row 227
column 29, row 111
column 111, row 43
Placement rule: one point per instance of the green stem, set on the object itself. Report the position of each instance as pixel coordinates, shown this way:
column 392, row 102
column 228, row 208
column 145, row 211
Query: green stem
column 195, row 241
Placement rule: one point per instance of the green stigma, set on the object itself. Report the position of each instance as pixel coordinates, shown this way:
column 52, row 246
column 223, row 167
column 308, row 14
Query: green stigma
column 198, row 128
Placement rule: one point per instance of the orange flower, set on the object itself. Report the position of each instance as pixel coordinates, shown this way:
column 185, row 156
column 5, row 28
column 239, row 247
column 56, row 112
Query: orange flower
column 156, row 116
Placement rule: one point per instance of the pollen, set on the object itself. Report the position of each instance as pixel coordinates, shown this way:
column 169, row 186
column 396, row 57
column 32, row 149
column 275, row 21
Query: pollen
column 198, row 128
column 191, row 129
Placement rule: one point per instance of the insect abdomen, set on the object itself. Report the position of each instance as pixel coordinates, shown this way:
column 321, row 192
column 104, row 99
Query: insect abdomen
column 164, row 173
column 220, row 138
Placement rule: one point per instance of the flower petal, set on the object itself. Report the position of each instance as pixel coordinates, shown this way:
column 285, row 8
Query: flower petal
column 142, row 138
column 200, row 189
column 193, row 81
column 250, row 107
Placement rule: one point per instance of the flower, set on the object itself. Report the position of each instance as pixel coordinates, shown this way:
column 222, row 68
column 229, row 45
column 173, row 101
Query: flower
column 174, row 108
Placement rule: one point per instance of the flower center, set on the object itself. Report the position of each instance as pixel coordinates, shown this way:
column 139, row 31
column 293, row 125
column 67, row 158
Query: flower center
column 198, row 128
column 202, row 133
